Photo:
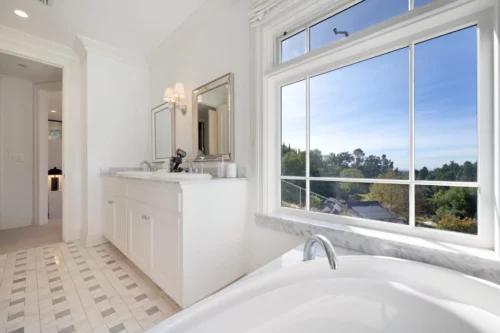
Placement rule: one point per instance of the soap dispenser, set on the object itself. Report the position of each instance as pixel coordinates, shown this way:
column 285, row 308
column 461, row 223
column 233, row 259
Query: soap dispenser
column 221, row 172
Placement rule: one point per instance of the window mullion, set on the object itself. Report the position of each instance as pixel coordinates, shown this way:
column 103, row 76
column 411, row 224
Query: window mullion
column 412, row 133
column 308, row 142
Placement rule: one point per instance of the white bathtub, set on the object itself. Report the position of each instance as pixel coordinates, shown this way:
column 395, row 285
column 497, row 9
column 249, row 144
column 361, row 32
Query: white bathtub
column 366, row 294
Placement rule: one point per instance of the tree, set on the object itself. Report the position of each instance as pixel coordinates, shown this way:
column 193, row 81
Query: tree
column 293, row 163
column 423, row 173
column 351, row 173
column 359, row 158
column 393, row 197
column 459, row 202
column 452, row 223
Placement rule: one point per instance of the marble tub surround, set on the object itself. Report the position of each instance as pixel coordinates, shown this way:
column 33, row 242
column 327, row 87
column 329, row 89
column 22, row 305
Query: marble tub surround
column 295, row 257
column 480, row 263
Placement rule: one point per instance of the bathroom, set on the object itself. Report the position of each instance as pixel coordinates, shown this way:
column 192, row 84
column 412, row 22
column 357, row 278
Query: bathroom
column 237, row 238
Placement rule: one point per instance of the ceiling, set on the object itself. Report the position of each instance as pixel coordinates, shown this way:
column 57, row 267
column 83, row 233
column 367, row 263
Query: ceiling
column 34, row 71
column 137, row 27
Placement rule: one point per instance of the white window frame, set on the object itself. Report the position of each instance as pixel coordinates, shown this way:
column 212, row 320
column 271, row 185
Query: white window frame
column 424, row 23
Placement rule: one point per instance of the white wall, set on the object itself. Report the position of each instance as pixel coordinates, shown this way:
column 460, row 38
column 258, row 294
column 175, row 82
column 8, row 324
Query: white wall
column 117, row 124
column 212, row 42
column 16, row 137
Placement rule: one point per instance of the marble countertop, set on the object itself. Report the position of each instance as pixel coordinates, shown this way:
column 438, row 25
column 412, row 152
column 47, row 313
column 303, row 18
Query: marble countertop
column 113, row 173
column 484, row 264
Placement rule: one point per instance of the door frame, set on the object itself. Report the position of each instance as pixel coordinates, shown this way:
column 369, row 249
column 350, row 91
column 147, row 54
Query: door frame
column 29, row 47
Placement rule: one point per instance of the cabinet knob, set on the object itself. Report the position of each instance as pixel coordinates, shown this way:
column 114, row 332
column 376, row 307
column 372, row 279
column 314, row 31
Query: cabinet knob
column 110, row 202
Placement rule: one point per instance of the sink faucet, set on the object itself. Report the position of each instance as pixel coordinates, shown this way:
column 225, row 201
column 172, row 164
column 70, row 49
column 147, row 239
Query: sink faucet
column 145, row 166
column 310, row 251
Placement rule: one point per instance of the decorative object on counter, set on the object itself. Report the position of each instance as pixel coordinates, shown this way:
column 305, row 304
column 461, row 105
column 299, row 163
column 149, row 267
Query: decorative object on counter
column 213, row 116
column 174, row 96
column 163, row 132
column 176, row 160
column 221, row 170
column 54, row 178
column 231, row 170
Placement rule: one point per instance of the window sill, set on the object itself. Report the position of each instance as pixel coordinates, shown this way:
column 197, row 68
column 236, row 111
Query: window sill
column 481, row 263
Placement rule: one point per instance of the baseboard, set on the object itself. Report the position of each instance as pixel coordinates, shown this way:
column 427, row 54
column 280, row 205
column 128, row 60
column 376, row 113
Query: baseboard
column 15, row 224
column 93, row 240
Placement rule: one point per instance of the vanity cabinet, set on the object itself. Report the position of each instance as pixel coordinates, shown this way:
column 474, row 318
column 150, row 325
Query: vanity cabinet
column 187, row 237
column 140, row 219
column 114, row 220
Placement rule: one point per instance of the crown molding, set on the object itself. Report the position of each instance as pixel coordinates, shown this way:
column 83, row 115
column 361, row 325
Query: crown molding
column 28, row 46
column 91, row 46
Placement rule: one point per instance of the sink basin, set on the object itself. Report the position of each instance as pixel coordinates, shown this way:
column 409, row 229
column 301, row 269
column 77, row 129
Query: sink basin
column 138, row 174
column 182, row 176
column 366, row 294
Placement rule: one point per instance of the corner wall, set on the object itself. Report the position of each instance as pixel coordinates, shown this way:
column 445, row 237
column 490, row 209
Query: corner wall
column 16, row 152
column 212, row 42
column 116, row 90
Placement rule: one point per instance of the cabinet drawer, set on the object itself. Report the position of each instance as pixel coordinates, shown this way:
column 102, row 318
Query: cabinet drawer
column 114, row 186
column 164, row 196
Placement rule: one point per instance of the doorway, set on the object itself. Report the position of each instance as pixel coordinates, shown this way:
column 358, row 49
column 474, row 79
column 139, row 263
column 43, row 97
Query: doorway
column 30, row 95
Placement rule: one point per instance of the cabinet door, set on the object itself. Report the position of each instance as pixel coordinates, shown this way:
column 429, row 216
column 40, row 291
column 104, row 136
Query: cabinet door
column 139, row 241
column 108, row 216
column 166, row 253
column 120, row 224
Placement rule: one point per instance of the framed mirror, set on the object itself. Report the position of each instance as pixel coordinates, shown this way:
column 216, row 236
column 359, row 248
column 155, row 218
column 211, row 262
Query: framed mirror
column 213, row 119
column 163, row 132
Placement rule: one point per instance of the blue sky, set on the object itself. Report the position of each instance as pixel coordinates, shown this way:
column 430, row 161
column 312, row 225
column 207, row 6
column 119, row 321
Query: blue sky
column 366, row 105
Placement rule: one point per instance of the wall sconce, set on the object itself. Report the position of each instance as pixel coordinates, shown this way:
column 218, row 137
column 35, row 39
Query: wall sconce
column 173, row 97
column 55, row 177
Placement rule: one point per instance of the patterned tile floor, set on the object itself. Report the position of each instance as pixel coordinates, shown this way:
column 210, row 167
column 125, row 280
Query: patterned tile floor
column 67, row 288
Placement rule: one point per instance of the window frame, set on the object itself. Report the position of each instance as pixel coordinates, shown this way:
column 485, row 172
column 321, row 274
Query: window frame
column 421, row 24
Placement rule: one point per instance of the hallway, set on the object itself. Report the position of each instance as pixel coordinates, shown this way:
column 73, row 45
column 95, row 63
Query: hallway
column 14, row 240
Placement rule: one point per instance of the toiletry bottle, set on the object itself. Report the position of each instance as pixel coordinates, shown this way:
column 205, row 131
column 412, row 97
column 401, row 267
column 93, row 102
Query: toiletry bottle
column 221, row 172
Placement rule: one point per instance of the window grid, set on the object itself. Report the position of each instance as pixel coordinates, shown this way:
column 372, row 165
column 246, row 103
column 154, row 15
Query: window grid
column 411, row 182
column 307, row 28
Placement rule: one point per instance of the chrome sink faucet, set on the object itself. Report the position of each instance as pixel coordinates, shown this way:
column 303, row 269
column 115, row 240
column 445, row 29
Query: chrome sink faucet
column 310, row 250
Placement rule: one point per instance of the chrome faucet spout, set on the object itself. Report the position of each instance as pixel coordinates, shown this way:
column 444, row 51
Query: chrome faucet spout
column 310, row 250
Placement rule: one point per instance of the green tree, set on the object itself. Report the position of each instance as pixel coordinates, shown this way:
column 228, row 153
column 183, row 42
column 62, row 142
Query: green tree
column 393, row 197
column 452, row 223
column 459, row 202
column 359, row 158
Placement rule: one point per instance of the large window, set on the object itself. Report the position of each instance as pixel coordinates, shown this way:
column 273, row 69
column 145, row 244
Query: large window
column 393, row 138
column 359, row 16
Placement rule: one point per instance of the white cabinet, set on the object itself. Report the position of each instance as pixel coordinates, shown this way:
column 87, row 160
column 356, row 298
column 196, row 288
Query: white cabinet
column 188, row 237
column 108, row 216
column 115, row 220
column 120, row 224
column 165, row 252
column 139, row 241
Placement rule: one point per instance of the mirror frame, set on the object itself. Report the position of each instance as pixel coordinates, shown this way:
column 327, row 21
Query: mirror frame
column 225, row 79
column 154, row 111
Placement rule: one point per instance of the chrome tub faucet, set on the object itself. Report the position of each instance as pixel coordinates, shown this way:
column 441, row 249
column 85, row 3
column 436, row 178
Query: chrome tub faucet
column 310, row 250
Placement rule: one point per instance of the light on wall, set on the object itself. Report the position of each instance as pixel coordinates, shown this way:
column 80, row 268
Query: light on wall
column 55, row 179
column 173, row 97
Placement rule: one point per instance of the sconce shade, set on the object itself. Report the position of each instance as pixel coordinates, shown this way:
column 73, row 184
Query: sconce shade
column 179, row 90
column 168, row 96
column 55, row 172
